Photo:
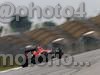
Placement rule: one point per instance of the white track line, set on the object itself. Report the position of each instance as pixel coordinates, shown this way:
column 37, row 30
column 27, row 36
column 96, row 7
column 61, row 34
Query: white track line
column 13, row 69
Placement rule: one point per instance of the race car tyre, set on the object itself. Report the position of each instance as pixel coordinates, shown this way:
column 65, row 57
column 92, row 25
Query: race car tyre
column 33, row 60
column 59, row 54
column 26, row 64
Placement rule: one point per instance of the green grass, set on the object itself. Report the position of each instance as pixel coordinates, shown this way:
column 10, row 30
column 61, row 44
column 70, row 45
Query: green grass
column 6, row 67
column 2, row 68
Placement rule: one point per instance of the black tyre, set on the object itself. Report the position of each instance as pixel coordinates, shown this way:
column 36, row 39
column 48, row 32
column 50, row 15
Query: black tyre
column 59, row 53
column 26, row 64
column 33, row 60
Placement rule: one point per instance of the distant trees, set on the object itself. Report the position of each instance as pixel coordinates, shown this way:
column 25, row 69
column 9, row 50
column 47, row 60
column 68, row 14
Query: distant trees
column 48, row 24
column 68, row 18
column 23, row 24
column 1, row 28
column 38, row 25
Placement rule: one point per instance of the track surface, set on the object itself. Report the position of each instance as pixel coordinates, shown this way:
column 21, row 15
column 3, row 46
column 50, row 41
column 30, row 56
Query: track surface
column 93, row 57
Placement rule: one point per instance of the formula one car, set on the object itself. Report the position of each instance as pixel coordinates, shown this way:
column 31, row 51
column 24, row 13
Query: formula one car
column 33, row 52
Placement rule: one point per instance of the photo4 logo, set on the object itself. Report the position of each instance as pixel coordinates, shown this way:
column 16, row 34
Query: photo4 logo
column 7, row 10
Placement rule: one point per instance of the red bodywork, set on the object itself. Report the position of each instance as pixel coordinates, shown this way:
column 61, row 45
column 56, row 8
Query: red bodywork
column 39, row 51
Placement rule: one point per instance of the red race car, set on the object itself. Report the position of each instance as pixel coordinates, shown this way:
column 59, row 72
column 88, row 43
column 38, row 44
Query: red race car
column 32, row 52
